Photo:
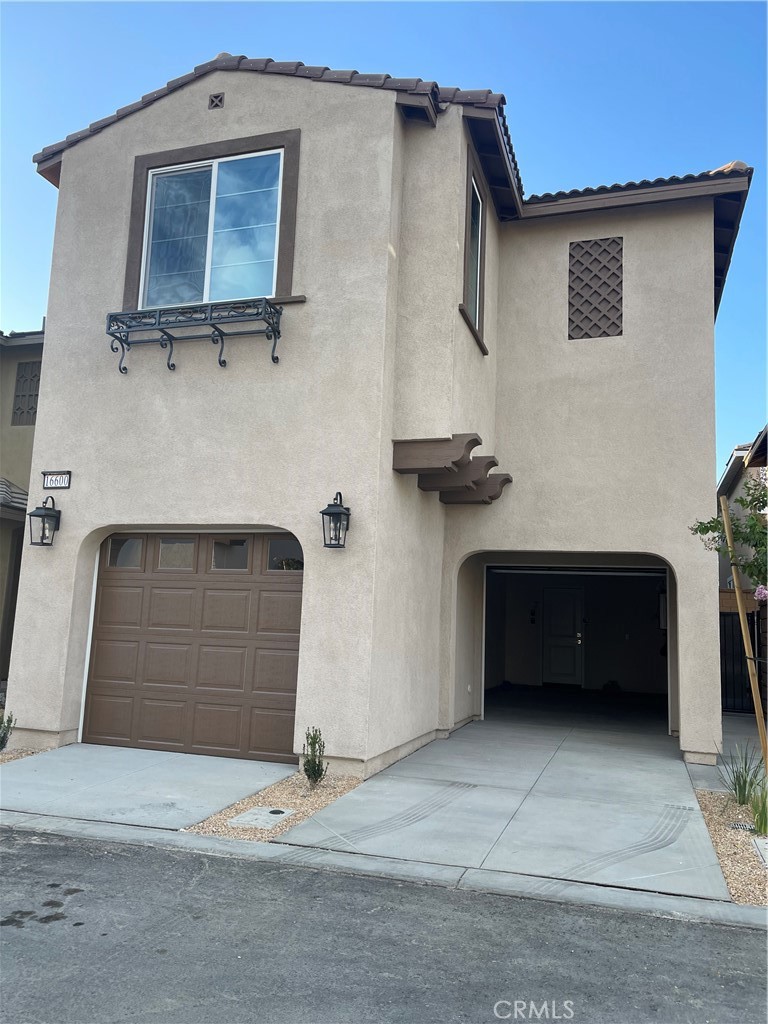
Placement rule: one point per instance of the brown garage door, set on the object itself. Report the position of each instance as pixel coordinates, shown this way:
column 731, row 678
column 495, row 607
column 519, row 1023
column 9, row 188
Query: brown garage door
column 195, row 644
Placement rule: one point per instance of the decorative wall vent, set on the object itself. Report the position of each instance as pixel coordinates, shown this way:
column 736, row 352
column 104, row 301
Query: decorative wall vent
column 444, row 464
column 25, row 394
column 595, row 288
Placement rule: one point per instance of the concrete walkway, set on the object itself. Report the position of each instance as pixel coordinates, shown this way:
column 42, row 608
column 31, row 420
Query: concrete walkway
column 599, row 797
column 152, row 788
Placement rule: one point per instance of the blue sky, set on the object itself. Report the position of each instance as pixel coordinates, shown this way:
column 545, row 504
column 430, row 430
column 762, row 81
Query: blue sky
column 596, row 93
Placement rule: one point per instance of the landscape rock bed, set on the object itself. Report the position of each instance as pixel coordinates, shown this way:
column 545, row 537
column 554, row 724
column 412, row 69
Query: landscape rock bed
column 14, row 755
column 743, row 869
column 293, row 792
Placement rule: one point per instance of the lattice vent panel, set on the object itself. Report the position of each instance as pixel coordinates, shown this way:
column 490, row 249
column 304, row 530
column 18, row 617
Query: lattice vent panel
column 595, row 288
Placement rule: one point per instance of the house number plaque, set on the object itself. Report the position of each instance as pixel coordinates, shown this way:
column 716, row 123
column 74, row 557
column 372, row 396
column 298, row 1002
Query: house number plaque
column 56, row 479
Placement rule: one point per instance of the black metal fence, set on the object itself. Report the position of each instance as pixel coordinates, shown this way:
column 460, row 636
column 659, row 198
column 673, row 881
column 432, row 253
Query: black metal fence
column 734, row 677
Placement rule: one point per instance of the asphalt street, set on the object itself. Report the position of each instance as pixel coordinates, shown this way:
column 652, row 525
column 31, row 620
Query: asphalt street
column 97, row 933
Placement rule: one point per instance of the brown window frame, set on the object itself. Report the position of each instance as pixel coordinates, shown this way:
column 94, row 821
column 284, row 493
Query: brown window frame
column 24, row 407
column 475, row 177
column 289, row 141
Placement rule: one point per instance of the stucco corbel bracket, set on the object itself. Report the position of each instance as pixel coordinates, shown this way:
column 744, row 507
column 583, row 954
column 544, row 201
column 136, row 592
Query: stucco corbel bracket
column 434, row 454
column 486, row 492
column 466, row 478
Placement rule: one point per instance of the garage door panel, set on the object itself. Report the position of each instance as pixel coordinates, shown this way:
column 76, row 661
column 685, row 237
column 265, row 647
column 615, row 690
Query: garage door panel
column 226, row 610
column 109, row 718
column 275, row 670
column 222, row 668
column 274, row 701
column 217, row 727
column 120, row 606
column 171, row 608
column 162, row 721
column 271, row 734
column 115, row 661
column 167, row 665
column 200, row 658
column 279, row 612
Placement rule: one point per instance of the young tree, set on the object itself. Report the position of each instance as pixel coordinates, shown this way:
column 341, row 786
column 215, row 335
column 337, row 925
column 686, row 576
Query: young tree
column 749, row 531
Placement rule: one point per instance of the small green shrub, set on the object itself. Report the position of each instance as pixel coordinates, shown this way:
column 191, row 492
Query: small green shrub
column 7, row 723
column 759, row 805
column 742, row 772
column 314, row 767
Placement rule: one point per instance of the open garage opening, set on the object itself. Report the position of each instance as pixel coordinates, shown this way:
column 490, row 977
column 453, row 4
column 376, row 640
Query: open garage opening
column 578, row 642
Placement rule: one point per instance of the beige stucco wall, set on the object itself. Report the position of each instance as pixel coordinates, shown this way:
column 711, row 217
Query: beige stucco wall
column 611, row 442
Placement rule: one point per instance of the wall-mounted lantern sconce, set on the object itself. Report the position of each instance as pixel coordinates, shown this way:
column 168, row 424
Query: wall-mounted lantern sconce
column 43, row 523
column 335, row 523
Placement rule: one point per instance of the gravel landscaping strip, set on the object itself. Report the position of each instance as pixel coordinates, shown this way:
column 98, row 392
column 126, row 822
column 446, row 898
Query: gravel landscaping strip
column 744, row 871
column 293, row 792
column 14, row 755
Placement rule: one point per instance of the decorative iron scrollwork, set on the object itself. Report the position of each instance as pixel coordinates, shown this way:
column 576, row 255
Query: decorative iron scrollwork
column 153, row 327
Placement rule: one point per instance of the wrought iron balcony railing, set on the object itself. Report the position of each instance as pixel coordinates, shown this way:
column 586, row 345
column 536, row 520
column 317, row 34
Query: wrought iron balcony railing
column 162, row 326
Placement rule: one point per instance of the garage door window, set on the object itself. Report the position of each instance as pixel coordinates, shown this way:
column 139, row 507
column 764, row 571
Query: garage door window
column 125, row 553
column 230, row 554
column 177, row 554
column 285, row 554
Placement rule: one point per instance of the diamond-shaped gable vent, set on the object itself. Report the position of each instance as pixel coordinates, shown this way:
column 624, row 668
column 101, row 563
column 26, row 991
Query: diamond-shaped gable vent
column 595, row 288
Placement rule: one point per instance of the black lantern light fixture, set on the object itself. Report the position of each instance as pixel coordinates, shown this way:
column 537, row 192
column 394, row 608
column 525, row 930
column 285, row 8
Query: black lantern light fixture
column 43, row 523
column 335, row 523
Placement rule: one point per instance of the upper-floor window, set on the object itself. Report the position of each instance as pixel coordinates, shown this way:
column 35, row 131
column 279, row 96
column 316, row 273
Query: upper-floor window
column 474, row 244
column 25, row 394
column 212, row 231
column 471, row 307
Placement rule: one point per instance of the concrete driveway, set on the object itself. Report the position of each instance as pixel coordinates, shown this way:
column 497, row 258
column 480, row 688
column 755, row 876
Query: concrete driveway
column 153, row 788
column 551, row 795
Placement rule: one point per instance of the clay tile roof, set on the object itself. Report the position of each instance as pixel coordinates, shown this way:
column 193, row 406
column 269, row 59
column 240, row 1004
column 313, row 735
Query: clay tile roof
column 285, row 67
column 735, row 167
column 402, row 84
column 266, row 65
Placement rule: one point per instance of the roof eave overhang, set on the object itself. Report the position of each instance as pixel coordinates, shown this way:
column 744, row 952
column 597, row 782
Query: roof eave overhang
column 757, row 456
column 22, row 340
column 492, row 153
column 730, row 473
column 637, row 196
column 51, row 169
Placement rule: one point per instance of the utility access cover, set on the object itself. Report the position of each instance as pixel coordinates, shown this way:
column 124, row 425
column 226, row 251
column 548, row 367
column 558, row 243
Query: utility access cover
column 260, row 817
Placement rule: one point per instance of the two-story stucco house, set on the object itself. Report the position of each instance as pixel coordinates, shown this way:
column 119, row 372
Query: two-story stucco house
column 319, row 282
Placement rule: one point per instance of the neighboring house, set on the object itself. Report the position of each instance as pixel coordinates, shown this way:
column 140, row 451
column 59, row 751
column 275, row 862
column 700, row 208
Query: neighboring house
column 747, row 461
column 434, row 323
column 21, row 353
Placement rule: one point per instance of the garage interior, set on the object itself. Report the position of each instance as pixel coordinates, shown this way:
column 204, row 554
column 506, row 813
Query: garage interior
column 589, row 642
